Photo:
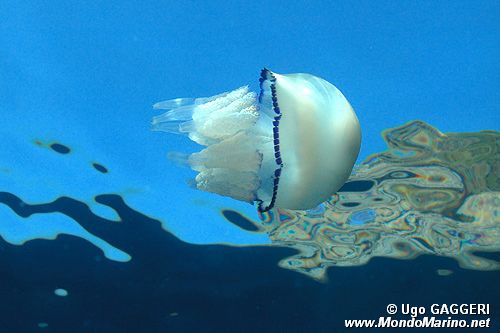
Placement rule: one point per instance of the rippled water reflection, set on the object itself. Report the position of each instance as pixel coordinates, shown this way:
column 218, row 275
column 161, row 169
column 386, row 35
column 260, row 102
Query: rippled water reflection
column 429, row 193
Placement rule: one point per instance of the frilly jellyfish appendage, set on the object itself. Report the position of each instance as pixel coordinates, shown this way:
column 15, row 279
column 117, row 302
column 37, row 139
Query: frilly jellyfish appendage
column 292, row 146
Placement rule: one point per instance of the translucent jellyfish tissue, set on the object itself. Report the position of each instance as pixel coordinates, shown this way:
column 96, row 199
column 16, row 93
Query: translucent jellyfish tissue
column 291, row 146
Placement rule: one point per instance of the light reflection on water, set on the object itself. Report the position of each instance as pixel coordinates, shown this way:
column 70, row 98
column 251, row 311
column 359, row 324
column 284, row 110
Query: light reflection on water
column 429, row 193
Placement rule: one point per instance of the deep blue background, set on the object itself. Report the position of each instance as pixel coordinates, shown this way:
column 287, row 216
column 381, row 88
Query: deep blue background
column 171, row 286
column 95, row 63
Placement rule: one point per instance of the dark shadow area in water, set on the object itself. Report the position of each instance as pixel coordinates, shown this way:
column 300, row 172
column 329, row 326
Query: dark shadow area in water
column 172, row 286
column 60, row 148
column 99, row 167
column 239, row 220
column 488, row 255
column 357, row 186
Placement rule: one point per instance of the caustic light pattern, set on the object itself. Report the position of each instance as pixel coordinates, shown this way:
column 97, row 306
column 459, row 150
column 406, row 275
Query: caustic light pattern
column 429, row 193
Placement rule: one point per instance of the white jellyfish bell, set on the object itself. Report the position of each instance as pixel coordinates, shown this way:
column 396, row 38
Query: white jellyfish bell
column 292, row 146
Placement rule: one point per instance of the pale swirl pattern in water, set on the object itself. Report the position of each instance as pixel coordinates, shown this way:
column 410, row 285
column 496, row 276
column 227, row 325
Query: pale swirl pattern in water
column 429, row 193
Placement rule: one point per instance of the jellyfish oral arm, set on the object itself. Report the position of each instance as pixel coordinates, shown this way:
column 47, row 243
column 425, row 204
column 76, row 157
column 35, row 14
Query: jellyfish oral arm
column 226, row 125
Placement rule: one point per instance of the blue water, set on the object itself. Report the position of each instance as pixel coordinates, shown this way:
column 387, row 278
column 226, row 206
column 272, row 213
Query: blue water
column 85, row 74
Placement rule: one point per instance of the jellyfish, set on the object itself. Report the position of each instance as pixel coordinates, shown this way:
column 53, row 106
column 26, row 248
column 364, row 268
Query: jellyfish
column 291, row 146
